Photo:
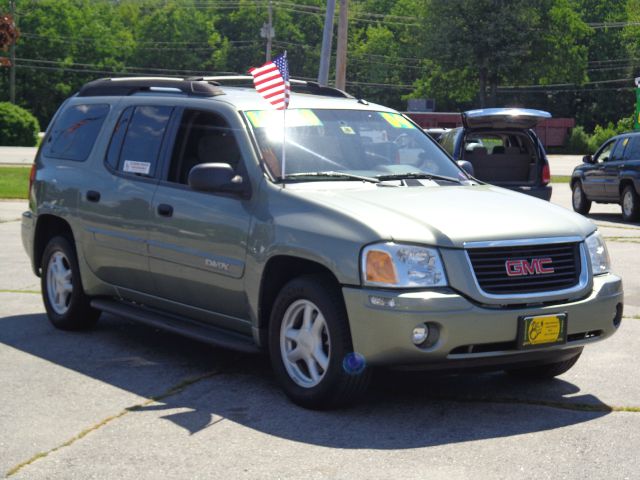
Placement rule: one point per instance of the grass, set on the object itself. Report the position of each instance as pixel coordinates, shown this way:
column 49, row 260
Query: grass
column 14, row 182
column 560, row 178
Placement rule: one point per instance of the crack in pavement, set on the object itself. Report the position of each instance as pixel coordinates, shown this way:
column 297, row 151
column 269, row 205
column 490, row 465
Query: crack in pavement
column 578, row 407
column 615, row 226
column 38, row 292
column 178, row 388
column 623, row 239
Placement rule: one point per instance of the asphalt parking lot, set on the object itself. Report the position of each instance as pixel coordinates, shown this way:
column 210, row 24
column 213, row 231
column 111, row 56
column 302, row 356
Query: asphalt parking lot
column 127, row 401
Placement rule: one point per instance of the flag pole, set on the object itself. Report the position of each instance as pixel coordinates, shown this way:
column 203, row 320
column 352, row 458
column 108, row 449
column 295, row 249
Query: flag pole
column 284, row 143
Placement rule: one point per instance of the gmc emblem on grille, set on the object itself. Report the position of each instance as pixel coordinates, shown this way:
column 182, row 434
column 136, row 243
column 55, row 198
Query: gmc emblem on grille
column 520, row 268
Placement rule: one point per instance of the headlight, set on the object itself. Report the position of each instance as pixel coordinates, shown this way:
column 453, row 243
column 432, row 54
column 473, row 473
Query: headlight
column 402, row 266
column 600, row 262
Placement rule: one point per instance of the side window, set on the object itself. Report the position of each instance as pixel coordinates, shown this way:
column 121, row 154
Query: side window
column 203, row 137
column 119, row 131
column 622, row 149
column 632, row 152
column 605, row 153
column 143, row 139
column 618, row 150
column 447, row 141
column 75, row 132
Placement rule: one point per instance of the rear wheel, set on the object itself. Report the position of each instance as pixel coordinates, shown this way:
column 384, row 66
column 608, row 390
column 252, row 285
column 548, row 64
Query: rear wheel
column 310, row 345
column 579, row 200
column 548, row 370
column 630, row 204
column 66, row 303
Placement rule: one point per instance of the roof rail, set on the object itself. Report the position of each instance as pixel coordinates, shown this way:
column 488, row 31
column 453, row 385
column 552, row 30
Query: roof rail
column 302, row 86
column 130, row 85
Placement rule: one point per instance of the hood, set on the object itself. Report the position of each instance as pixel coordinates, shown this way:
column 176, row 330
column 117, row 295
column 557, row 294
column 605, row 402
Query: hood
column 446, row 216
column 503, row 118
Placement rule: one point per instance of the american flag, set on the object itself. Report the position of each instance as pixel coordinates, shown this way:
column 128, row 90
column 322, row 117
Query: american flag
column 272, row 81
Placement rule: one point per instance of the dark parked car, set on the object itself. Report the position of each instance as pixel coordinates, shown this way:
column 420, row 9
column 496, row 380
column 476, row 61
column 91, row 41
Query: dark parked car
column 503, row 148
column 612, row 175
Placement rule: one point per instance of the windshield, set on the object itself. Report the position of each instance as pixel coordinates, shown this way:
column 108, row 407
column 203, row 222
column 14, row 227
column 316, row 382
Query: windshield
column 355, row 142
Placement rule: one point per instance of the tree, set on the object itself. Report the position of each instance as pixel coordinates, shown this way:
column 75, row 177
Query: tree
column 501, row 41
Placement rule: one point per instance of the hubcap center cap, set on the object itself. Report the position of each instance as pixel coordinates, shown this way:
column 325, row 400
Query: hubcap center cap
column 306, row 341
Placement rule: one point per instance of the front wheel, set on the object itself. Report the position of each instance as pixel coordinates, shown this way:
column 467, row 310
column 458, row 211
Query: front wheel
column 579, row 200
column 630, row 204
column 310, row 345
column 548, row 370
column 66, row 303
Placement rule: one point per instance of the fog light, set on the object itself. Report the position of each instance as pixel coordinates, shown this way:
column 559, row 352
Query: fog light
column 420, row 334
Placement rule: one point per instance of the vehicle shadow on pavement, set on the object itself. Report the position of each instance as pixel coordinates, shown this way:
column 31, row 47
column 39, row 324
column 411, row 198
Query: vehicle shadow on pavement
column 611, row 218
column 401, row 410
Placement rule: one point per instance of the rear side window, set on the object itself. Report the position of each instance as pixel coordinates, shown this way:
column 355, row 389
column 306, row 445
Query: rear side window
column 119, row 131
column 632, row 152
column 74, row 133
column 137, row 139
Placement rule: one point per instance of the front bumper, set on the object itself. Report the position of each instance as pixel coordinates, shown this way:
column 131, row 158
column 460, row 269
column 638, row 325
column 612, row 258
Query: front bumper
column 470, row 334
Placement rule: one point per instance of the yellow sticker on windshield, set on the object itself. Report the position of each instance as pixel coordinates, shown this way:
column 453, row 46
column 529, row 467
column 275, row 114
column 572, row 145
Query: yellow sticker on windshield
column 396, row 120
column 299, row 117
column 346, row 129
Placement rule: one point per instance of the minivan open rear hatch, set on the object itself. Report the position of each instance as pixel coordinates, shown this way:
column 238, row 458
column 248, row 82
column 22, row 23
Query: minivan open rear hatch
column 503, row 118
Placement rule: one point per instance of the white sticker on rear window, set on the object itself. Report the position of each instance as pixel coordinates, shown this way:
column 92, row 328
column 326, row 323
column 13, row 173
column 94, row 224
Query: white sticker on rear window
column 132, row 166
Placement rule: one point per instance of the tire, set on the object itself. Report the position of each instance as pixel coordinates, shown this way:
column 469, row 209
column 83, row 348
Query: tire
column 630, row 204
column 66, row 303
column 579, row 200
column 545, row 371
column 309, row 341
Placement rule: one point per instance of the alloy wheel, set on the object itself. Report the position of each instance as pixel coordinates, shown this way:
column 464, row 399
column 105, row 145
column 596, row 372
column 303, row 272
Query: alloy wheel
column 59, row 283
column 304, row 343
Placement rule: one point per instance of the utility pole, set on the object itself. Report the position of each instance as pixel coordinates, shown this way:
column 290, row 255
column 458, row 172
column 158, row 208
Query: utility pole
column 268, row 31
column 12, row 56
column 327, row 35
column 341, row 53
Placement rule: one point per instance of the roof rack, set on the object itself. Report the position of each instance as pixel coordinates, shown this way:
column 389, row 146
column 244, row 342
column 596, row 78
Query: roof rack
column 302, row 86
column 130, row 85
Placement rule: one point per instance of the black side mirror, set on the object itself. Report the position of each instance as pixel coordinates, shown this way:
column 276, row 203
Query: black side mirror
column 466, row 166
column 587, row 159
column 216, row 177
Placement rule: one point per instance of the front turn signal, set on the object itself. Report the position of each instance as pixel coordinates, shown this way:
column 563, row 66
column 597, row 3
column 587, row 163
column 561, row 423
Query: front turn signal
column 380, row 268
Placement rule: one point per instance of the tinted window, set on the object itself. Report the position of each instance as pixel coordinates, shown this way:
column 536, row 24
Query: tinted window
column 113, row 154
column 203, row 137
column 141, row 146
column 605, row 152
column 619, row 149
column 74, row 133
column 447, row 141
column 632, row 151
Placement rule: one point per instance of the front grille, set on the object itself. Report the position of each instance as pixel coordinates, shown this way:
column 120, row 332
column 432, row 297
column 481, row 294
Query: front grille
column 490, row 268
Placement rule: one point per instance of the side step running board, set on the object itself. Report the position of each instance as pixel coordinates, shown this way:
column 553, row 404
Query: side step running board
column 196, row 331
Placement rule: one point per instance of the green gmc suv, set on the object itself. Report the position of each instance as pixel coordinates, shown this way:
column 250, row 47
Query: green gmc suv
column 168, row 201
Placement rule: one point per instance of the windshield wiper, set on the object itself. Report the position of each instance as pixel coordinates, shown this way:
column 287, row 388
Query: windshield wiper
column 330, row 174
column 416, row 175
